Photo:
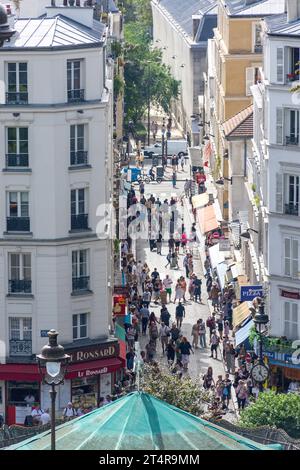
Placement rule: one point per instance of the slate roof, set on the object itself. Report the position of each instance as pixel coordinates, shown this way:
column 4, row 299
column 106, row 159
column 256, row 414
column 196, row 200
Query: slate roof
column 240, row 125
column 57, row 32
column 278, row 26
column 183, row 10
column 257, row 8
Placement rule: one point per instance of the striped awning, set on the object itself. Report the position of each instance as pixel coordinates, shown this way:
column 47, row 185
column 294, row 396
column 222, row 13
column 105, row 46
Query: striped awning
column 207, row 219
column 240, row 313
column 200, row 200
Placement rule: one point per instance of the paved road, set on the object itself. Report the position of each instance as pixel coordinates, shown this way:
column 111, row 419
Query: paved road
column 201, row 359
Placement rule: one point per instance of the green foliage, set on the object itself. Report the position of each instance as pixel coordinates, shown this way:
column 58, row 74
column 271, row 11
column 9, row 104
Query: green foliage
column 256, row 200
column 116, row 49
column 118, row 86
column 147, row 79
column 253, row 187
column 271, row 409
column 183, row 393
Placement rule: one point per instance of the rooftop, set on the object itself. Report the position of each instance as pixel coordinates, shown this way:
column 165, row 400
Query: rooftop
column 240, row 125
column 279, row 26
column 182, row 11
column 255, row 8
column 57, row 32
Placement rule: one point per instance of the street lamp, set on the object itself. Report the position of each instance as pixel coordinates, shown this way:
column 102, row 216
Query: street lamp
column 163, row 131
column 52, row 364
column 5, row 30
column 246, row 234
column 206, row 137
column 222, row 180
column 260, row 371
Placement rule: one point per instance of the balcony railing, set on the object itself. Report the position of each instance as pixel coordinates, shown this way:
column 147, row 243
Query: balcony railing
column 80, row 283
column 79, row 222
column 19, row 286
column 13, row 97
column 74, row 96
column 79, row 158
column 291, row 209
column 20, row 347
column 292, row 140
column 16, row 160
column 258, row 48
column 18, row 224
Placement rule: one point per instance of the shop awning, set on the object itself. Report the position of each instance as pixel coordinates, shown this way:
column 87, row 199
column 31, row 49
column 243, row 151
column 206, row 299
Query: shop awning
column 216, row 256
column 240, row 313
column 221, row 273
column 30, row 372
column 243, row 334
column 241, row 281
column 200, row 200
column 207, row 219
column 196, row 156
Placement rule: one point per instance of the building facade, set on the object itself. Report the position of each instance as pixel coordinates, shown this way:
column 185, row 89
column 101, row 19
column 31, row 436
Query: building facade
column 181, row 29
column 56, row 149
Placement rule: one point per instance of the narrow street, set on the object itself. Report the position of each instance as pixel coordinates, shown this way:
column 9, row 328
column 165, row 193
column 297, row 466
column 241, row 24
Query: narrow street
column 201, row 360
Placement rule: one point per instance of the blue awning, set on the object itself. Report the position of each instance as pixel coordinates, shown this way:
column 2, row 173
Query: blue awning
column 243, row 333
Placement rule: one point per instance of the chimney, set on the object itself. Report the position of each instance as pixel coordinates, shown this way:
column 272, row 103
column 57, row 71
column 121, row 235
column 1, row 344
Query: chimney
column 293, row 10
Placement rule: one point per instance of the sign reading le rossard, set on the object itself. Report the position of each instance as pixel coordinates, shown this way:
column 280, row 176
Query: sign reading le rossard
column 93, row 353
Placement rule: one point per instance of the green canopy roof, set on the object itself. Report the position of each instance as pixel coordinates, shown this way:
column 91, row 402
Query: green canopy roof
column 139, row 421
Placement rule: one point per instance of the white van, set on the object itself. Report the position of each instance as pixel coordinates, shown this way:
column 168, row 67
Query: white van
column 174, row 147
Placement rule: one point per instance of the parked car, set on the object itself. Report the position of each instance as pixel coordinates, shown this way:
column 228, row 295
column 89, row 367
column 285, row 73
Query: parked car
column 174, row 147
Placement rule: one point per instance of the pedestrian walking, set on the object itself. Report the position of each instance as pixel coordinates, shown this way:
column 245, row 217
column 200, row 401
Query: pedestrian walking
column 170, row 352
column 175, row 332
column 169, row 258
column 197, row 289
column 167, row 283
column 145, row 314
column 179, row 314
column 185, row 349
column 186, row 265
column 202, row 334
column 226, row 397
column 187, row 188
column 214, row 343
column 182, row 161
column 178, row 292
column 195, row 335
column 159, row 244
column 241, row 394
column 208, row 380
column 230, row 354
column 164, row 334
column 174, row 179
column 165, row 315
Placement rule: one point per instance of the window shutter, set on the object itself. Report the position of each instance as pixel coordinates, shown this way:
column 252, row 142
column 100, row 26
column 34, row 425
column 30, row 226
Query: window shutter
column 249, row 79
column 295, row 268
column 287, row 319
column 280, row 65
column 287, row 256
column 279, row 193
column 279, row 126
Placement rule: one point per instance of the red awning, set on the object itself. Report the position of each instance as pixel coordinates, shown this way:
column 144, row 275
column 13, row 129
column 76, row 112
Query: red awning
column 30, row 372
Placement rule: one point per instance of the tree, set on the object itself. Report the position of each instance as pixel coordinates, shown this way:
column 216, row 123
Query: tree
column 280, row 410
column 184, row 393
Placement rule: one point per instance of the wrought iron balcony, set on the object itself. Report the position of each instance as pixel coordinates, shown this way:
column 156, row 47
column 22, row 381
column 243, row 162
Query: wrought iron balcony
column 13, row 97
column 18, row 224
column 75, row 96
column 16, row 160
column 17, row 286
column 79, row 222
column 80, row 283
column 79, row 158
column 292, row 140
column 20, row 347
column 291, row 209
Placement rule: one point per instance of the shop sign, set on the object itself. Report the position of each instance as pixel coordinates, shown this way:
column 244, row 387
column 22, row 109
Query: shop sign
column 224, row 244
column 44, row 333
column 119, row 304
column 250, row 292
column 121, row 290
column 93, row 353
column 290, row 295
column 91, row 372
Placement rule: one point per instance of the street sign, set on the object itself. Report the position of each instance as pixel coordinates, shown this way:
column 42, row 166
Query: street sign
column 44, row 333
column 250, row 292
column 224, row 244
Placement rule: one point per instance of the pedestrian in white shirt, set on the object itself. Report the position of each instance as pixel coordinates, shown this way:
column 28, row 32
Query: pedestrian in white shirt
column 36, row 415
column 45, row 417
column 69, row 412
column 164, row 334
column 167, row 283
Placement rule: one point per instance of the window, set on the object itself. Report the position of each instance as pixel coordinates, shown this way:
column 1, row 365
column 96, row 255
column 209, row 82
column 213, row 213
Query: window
column 291, row 320
column 80, row 326
column 17, row 87
column 75, row 93
column 80, row 270
column 280, row 64
column 292, row 127
column 291, row 194
column 18, row 211
column 79, row 218
column 20, row 336
column 291, row 257
column 19, row 273
column 78, row 155
column 17, row 147
column 257, row 42
column 253, row 76
column 294, row 58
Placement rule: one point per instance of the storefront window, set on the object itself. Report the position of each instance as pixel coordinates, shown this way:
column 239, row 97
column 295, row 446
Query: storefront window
column 85, row 392
column 23, row 393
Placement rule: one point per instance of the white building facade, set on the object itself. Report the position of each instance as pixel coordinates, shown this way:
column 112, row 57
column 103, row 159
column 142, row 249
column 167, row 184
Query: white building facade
column 276, row 172
column 56, row 151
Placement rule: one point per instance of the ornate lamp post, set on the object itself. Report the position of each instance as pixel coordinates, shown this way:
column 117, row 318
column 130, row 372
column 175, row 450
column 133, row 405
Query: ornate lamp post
column 5, row 30
column 52, row 364
column 260, row 371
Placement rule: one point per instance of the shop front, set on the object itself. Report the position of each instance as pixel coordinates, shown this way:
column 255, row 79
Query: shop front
column 284, row 371
column 92, row 372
